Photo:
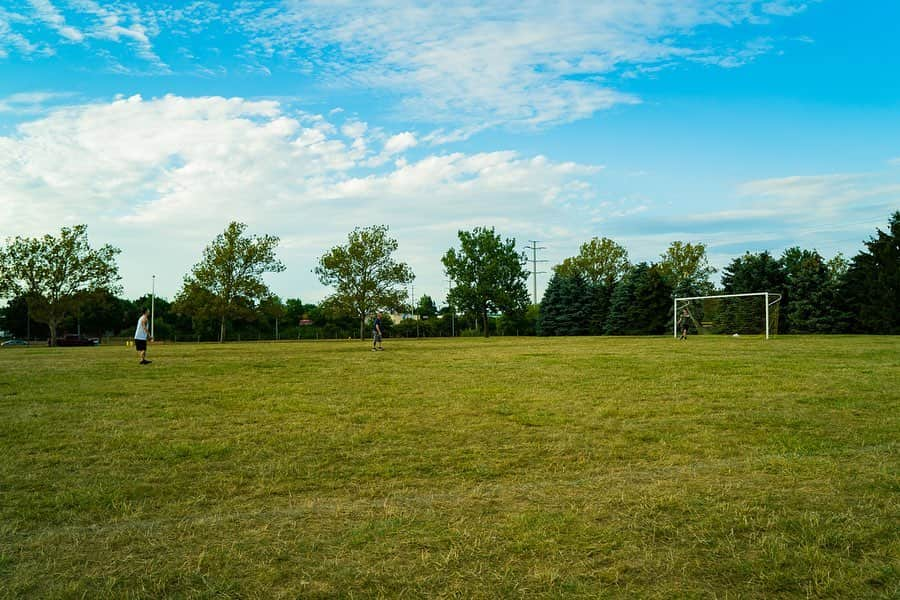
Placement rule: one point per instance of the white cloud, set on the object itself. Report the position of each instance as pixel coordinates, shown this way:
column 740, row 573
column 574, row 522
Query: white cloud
column 400, row 143
column 160, row 178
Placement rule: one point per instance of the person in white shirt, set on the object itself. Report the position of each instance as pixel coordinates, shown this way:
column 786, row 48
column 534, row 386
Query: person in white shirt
column 141, row 335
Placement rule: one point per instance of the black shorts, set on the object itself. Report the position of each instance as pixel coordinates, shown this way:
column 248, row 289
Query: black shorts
column 140, row 345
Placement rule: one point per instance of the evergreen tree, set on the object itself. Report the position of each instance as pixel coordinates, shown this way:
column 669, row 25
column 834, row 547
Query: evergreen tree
column 566, row 306
column 809, row 285
column 641, row 303
column 746, row 274
column 871, row 287
column 600, row 297
column 550, row 307
column 618, row 322
column 652, row 307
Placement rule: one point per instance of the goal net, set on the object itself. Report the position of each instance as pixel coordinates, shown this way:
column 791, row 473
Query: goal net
column 742, row 314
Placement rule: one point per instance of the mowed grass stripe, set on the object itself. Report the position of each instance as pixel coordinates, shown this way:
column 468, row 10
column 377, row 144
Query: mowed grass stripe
column 509, row 467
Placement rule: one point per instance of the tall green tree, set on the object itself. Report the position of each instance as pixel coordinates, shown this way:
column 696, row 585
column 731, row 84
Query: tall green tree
column 56, row 275
column 641, row 303
column 227, row 283
column 752, row 272
column 812, row 283
column 488, row 274
column 14, row 320
column 426, row 308
column 274, row 310
column 871, row 286
column 686, row 268
column 601, row 261
column 364, row 274
column 566, row 306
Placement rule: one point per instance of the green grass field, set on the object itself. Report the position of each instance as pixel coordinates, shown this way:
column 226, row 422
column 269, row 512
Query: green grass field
column 509, row 467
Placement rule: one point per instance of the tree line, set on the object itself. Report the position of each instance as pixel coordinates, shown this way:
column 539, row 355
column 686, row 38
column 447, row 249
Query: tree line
column 599, row 292
column 60, row 283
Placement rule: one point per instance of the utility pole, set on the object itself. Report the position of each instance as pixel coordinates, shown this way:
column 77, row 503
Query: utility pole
column 415, row 316
column 452, row 310
column 152, row 305
column 534, row 263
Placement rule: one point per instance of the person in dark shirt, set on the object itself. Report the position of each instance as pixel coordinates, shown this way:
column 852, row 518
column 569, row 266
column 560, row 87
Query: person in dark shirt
column 685, row 317
column 376, row 333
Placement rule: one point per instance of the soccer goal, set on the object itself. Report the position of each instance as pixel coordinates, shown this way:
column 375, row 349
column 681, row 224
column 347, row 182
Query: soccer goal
column 733, row 314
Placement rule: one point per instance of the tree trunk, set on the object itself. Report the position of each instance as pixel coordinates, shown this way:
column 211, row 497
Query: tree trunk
column 52, row 325
column 222, row 330
column 485, row 322
column 362, row 326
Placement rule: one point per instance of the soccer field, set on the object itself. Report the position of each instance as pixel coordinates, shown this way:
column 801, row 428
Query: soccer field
column 509, row 467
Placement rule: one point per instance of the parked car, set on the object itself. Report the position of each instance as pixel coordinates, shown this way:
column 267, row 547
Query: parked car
column 73, row 339
column 14, row 343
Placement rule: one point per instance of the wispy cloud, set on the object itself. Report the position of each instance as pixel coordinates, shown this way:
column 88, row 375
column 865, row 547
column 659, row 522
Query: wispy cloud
column 12, row 41
column 48, row 13
column 123, row 23
column 529, row 64
column 463, row 66
column 31, row 102
column 82, row 22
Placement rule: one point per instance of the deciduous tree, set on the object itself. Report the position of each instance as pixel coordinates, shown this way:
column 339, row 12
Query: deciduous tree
column 600, row 261
column 487, row 273
column 364, row 273
column 227, row 283
column 56, row 274
column 426, row 308
column 686, row 267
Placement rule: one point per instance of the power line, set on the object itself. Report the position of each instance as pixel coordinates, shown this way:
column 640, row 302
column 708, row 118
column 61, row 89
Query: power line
column 534, row 262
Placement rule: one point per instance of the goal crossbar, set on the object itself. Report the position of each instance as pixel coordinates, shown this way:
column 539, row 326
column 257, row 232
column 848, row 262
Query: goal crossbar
column 777, row 298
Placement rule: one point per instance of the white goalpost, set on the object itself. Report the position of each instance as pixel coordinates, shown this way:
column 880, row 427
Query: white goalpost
column 733, row 317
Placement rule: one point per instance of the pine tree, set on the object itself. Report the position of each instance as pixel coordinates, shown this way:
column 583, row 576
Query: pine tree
column 566, row 306
column 619, row 322
column 551, row 307
column 652, row 307
column 871, row 288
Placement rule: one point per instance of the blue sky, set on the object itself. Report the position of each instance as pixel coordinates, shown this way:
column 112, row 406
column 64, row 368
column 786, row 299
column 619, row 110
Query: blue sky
column 745, row 125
